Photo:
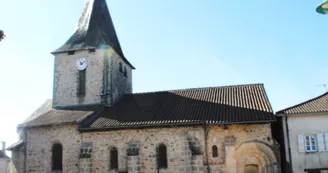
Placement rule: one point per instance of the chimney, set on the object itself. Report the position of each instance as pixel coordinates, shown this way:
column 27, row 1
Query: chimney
column 3, row 146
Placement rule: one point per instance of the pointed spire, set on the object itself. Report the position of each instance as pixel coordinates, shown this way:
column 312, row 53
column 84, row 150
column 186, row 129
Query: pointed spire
column 95, row 28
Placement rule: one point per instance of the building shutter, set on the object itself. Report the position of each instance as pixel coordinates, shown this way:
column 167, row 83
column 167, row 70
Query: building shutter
column 300, row 139
column 321, row 142
column 326, row 141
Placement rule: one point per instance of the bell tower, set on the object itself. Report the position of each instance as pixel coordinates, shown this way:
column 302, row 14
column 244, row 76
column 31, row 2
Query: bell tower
column 90, row 68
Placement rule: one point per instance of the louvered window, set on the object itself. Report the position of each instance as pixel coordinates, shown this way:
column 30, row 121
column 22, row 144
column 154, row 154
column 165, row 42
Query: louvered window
column 125, row 72
column 120, row 67
column 82, row 80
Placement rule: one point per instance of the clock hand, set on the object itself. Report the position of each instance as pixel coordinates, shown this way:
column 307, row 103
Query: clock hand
column 80, row 62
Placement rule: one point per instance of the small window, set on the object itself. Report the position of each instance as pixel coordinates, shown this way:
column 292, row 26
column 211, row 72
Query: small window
column 57, row 157
column 215, row 151
column 310, row 143
column 121, row 67
column 113, row 158
column 162, row 156
column 125, row 72
column 71, row 52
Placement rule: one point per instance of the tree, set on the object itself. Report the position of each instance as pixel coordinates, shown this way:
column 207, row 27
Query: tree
column 2, row 35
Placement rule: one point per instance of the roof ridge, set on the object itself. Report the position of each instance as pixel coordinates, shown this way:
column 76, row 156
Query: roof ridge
column 197, row 88
column 302, row 103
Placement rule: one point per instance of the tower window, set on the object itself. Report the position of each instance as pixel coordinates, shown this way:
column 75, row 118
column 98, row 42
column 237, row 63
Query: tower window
column 125, row 72
column 82, row 79
column 121, row 67
column 113, row 158
column 215, row 151
column 57, row 157
column 162, row 156
column 71, row 52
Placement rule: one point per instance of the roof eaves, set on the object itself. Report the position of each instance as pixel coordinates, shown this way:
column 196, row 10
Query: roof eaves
column 88, row 129
column 16, row 145
column 303, row 113
column 67, row 50
column 302, row 103
column 50, row 124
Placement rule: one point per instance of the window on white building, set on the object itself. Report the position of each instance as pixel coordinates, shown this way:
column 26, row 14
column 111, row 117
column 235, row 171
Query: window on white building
column 310, row 143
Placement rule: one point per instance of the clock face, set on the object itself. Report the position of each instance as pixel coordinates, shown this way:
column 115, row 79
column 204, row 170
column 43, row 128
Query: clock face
column 81, row 64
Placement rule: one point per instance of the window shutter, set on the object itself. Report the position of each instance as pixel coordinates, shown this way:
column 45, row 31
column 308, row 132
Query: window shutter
column 301, row 147
column 321, row 142
column 326, row 141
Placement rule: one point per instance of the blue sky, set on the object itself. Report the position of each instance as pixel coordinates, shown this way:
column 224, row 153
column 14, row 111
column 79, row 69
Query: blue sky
column 173, row 45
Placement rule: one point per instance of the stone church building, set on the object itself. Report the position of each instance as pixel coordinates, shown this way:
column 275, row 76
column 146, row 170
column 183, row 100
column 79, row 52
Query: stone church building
column 96, row 124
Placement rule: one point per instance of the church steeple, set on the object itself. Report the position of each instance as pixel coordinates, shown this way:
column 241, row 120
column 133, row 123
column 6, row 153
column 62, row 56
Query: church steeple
column 95, row 29
column 90, row 67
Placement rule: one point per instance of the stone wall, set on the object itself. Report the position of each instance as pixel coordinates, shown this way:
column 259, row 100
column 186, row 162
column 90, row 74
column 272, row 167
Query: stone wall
column 66, row 78
column 137, row 149
column 119, row 84
column 104, row 81
column 233, row 137
column 39, row 148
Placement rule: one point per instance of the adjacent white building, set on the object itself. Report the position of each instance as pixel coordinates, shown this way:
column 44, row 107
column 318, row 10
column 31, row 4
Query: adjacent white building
column 4, row 160
column 305, row 129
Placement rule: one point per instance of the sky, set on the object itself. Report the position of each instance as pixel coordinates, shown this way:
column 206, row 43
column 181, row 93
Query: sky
column 173, row 45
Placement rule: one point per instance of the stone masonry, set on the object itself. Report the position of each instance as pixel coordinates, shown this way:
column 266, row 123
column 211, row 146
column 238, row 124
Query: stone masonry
column 105, row 83
column 85, row 158
column 238, row 146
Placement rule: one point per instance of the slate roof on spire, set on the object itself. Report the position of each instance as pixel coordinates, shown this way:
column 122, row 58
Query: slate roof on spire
column 95, row 28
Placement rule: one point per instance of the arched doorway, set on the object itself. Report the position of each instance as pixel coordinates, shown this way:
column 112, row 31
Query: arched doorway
column 256, row 157
column 251, row 168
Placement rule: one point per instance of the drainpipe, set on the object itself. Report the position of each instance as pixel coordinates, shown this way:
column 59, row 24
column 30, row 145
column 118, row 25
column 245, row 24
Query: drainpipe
column 288, row 141
column 25, row 148
column 206, row 130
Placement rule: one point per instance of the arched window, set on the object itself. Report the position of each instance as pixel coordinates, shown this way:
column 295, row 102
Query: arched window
column 125, row 72
column 215, row 151
column 162, row 156
column 113, row 158
column 57, row 157
column 120, row 67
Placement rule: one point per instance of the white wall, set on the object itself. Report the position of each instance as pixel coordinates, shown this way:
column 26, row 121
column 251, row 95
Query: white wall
column 3, row 165
column 302, row 125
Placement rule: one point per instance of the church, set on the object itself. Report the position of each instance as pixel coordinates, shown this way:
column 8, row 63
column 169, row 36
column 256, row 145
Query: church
column 95, row 123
